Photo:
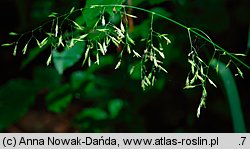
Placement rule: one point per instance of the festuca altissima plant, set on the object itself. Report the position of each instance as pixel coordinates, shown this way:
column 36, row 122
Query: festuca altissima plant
column 96, row 39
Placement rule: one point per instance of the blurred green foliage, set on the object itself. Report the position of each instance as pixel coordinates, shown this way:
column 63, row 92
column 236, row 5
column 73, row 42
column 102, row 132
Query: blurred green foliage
column 67, row 58
column 15, row 100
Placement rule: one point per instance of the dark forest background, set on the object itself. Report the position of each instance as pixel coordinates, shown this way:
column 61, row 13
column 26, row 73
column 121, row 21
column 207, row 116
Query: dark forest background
column 35, row 98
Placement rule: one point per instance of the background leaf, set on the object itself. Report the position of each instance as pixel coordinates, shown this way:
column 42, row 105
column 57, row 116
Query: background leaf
column 94, row 113
column 15, row 99
column 32, row 55
column 68, row 57
column 115, row 107
column 43, row 75
column 58, row 99
column 232, row 96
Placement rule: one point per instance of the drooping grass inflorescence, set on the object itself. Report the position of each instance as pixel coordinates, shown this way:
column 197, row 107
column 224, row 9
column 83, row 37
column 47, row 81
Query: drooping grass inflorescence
column 95, row 38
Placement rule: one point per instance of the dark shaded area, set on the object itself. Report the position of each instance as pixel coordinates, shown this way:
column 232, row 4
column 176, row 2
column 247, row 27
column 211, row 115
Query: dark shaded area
column 115, row 101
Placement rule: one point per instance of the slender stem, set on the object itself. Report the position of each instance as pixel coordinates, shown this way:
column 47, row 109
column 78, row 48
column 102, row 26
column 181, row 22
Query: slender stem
column 220, row 48
column 179, row 24
column 157, row 14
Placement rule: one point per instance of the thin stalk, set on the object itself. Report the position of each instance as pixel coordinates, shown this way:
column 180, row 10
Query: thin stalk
column 179, row 24
column 151, row 12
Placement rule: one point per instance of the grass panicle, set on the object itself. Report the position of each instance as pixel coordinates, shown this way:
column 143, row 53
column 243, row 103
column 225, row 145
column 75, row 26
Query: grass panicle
column 104, row 33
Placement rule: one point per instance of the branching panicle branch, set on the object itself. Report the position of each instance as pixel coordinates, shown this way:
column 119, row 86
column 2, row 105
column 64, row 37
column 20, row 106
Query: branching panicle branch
column 98, row 38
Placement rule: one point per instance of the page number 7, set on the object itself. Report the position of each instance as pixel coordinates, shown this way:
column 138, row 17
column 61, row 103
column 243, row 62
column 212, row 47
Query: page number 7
column 243, row 140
